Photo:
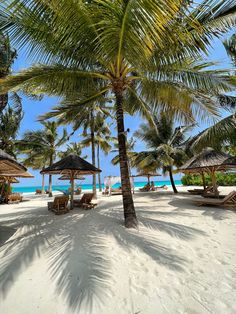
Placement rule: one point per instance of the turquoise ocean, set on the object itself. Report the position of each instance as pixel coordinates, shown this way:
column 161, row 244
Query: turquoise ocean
column 30, row 189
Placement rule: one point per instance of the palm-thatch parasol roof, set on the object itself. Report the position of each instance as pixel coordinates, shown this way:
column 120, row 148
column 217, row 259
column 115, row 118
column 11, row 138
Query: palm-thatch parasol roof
column 208, row 159
column 69, row 164
column 8, row 165
column 25, row 174
column 72, row 166
column 147, row 174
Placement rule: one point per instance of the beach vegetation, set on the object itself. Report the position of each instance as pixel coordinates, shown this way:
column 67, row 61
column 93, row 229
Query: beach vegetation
column 223, row 179
column 102, row 138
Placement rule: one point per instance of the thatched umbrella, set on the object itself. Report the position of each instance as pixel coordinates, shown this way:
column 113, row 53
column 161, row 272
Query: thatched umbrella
column 72, row 166
column 148, row 175
column 10, row 169
column 209, row 160
column 8, row 165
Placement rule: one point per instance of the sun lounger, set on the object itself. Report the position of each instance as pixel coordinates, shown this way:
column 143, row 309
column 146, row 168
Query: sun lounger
column 163, row 187
column 14, row 198
column 85, row 201
column 227, row 201
column 59, row 205
column 209, row 189
column 38, row 191
column 116, row 192
column 145, row 189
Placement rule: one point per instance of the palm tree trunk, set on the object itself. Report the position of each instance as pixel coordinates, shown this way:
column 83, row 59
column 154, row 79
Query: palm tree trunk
column 50, row 179
column 172, row 180
column 98, row 162
column 93, row 153
column 43, row 177
column 128, row 204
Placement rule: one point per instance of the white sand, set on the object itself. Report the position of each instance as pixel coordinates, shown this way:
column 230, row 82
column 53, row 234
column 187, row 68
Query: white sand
column 181, row 260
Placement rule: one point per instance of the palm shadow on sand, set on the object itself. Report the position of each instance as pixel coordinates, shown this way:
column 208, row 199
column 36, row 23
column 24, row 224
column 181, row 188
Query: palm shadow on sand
column 79, row 257
column 217, row 213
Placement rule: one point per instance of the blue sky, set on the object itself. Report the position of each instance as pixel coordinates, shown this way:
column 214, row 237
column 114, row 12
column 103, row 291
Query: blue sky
column 32, row 109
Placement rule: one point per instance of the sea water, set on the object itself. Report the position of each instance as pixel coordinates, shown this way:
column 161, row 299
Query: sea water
column 30, row 189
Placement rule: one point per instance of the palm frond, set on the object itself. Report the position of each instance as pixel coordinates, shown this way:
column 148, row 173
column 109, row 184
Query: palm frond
column 216, row 135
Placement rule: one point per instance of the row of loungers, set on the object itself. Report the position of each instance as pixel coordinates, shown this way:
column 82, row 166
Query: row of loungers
column 152, row 188
column 60, row 203
column 228, row 201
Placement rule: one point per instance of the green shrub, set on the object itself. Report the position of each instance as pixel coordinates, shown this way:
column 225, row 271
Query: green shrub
column 223, row 179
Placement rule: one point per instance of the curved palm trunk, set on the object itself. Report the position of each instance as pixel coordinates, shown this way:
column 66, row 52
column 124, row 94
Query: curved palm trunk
column 98, row 162
column 93, row 153
column 172, row 180
column 128, row 204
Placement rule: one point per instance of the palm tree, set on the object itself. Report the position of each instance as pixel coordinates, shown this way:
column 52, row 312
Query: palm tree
column 139, row 51
column 102, row 138
column 35, row 160
column 87, row 118
column 130, row 144
column 7, row 56
column 220, row 136
column 72, row 148
column 43, row 144
column 10, row 119
column 166, row 146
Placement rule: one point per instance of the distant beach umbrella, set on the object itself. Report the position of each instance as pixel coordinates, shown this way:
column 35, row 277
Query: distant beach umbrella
column 210, row 161
column 148, row 175
column 71, row 166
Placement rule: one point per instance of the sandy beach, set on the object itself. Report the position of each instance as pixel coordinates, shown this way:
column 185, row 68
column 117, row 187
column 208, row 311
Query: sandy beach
column 181, row 259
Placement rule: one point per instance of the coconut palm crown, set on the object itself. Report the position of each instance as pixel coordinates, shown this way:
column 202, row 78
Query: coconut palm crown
column 140, row 51
column 165, row 146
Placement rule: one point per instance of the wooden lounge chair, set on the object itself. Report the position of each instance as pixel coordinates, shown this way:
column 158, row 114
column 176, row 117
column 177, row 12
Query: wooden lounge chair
column 38, row 191
column 85, row 201
column 14, row 198
column 116, row 191
column 228, row 201
column 59, row 205
column 208, row 189
column 145, row 189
